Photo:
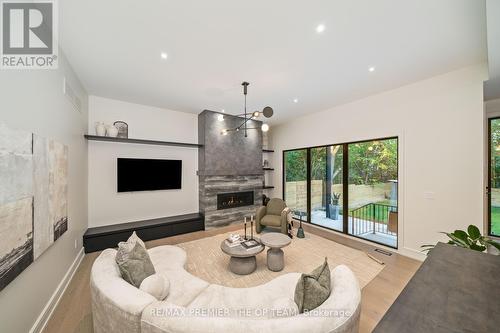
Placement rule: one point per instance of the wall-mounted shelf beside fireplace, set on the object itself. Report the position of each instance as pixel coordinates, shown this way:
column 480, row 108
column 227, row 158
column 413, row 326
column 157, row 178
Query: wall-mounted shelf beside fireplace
column 142, row 141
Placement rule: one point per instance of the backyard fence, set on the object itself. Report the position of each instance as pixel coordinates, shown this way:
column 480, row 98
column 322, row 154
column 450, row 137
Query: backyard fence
column 359, row 195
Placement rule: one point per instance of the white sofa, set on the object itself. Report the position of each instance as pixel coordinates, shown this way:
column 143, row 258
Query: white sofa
column 195, row 306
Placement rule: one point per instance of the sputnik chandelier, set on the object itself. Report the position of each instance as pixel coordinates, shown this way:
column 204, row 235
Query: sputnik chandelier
column 267, row 112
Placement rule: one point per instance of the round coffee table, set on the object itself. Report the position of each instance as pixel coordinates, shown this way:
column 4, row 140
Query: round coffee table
column 243, row 261
column 275, row 241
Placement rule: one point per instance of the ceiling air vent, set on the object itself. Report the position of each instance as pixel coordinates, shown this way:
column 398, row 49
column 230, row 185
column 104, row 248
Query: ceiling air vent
column 70, row 94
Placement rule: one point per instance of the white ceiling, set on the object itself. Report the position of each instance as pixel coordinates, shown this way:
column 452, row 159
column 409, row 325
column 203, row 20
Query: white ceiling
column 115, row 45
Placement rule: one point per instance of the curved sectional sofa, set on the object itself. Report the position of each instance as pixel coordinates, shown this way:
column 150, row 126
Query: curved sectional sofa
column 195, row 306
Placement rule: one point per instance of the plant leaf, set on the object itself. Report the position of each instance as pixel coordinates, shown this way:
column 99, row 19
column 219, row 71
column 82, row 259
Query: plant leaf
column 426, row 248
column 474, row 232
column 479, row 248
column 493, row 243
column 462, row 235
column 456, row 240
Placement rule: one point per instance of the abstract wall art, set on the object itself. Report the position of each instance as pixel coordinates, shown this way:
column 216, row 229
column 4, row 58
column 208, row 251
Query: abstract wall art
column 33, row 198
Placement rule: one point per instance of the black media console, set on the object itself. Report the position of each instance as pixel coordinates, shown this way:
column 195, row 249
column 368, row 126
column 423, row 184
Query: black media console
column 100, row 238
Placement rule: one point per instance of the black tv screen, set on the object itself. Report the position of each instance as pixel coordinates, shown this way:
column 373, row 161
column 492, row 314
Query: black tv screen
column 135, row 174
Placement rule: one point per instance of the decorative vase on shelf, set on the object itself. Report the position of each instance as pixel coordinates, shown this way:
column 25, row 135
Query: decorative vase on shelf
column 122, row 129
column 100, row 129
column 112, row 131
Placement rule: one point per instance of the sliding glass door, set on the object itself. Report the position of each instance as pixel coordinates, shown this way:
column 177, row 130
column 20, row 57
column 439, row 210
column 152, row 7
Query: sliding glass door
column 494, row 177
column 326, row 187
column 295, row 169
column 350, row 187
column 373, row 190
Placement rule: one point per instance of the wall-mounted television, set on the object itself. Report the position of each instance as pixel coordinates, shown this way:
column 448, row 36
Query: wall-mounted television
column 136, row 174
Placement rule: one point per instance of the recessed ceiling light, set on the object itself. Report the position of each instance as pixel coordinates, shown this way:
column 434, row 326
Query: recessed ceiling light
column 224, row 111
column 265, row 127
column 320, row 28
column 371, row 69
column 295, row 100
column 164, row 55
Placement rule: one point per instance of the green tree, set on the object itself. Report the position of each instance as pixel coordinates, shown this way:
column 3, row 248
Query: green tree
column 318, row 163
column 373, row 162
column 495, row 151
column 295, row 165
column 369, row 162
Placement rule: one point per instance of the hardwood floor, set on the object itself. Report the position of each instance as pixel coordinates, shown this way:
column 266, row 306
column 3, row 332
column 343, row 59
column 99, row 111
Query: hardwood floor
column 378, row 295
column 73, row 311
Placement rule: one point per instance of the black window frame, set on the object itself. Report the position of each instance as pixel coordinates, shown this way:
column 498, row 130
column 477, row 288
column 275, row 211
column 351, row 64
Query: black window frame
column 345, row 184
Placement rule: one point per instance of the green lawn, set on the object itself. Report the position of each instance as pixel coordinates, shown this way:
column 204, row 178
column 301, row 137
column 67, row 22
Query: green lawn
column 495, row 220
column 380, row 216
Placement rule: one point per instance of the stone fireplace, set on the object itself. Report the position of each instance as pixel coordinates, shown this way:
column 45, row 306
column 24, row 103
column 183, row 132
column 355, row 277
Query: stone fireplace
column 212, row 187
column 229, row 169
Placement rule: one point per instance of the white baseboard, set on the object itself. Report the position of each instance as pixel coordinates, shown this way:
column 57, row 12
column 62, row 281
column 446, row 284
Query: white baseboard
column 47, row 311
column 412, row 253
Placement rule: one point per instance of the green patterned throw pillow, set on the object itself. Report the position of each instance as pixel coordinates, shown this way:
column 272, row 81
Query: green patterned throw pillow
column 134, row 262
column 313, row 289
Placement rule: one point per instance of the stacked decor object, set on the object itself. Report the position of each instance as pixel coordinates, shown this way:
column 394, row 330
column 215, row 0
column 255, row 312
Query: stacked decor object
column 119, row 129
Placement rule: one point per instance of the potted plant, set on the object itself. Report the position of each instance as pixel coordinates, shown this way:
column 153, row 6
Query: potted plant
column 470, row 239
column 333, row 207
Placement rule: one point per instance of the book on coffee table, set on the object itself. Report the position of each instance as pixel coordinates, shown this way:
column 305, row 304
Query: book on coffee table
column 233, row 244
column 234, row 240
column 250, row 244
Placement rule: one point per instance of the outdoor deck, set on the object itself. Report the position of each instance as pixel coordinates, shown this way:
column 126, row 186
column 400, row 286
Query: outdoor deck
column 381, row 235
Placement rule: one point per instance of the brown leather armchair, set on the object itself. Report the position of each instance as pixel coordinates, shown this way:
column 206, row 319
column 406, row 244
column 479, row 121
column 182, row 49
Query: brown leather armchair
column 272, row 215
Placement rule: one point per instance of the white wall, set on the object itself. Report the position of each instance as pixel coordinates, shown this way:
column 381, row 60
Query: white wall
column 33, row 100
column 492, row 108
column 106, row 206
column 439, row 122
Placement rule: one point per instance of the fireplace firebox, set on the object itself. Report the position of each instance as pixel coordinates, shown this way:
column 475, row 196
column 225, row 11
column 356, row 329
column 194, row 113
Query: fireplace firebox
column 235, row 199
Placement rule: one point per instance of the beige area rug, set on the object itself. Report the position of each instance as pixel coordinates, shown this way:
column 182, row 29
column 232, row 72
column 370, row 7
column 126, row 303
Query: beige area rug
column 206, row 260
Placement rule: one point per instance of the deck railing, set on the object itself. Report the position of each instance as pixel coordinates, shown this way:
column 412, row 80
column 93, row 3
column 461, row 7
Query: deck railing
column 372, row 218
